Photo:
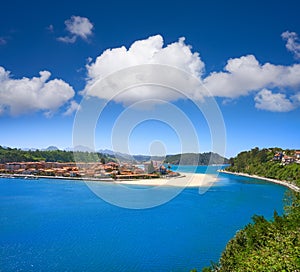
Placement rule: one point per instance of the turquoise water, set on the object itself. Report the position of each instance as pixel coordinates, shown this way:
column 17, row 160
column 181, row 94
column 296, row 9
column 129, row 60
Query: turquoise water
column 60, row 225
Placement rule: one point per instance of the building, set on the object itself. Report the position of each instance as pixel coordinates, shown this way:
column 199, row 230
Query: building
column 297, row 154
column 287, row 159
column 278, row 156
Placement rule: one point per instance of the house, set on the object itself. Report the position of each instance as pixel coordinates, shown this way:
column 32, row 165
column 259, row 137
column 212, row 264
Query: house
column 278, row 156
column 287, row 159
column 138, row 171
column 74, row 174
column 297, row 154
column 12, row 166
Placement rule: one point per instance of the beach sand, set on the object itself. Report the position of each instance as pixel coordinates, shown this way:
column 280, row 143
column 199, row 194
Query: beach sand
column 184, row 180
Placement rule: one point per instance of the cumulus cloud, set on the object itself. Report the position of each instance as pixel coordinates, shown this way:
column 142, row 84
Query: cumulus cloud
column 241, row 76
column 292, row 42
column 18, row 96
column 147, row 51
column 277, row 102
column 73, row 106
column 296, row 98
column 245, row 74
column 78, row 27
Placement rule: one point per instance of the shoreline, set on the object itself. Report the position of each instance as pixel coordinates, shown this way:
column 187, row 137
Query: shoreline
column 35, row 177
column 183, row 180
column 276, row 181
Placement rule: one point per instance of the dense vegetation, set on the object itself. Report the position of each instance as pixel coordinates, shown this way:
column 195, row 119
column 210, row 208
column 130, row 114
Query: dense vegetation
column 259, row 162
column 196, row 159
column 265, row 245
column 18, row 155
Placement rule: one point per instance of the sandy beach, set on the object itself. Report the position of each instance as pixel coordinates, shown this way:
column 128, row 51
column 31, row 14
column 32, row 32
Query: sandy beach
column 184, row 180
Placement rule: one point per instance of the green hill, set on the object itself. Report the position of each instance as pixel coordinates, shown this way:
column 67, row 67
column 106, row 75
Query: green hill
column 54, row 155
column 266, row 245
column 196, row 159
column 261, row 162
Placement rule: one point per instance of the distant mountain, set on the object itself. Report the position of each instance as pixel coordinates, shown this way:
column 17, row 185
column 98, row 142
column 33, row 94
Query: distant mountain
column 25, row 149
column 184, row 159
column 144, row 158
column 80, row 148
column 208, row 158
column 123, row 157
column 106, row 151
column 50, row 148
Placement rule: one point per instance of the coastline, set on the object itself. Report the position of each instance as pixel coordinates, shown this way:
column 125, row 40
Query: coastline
column 32, row 177
column 280, row 182
column 183, row 180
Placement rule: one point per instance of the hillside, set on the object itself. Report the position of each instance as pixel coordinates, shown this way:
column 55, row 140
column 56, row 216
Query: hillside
column 266, row 245
column 273, row 163
column 53, row 155
column 196, row 159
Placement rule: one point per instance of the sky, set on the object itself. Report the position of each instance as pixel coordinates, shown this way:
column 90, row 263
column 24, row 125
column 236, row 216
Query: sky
column 225, row 74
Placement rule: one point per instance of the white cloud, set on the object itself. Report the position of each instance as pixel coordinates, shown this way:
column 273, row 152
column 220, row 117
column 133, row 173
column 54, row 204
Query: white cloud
column 245, row 74
column 73, row 106
column 241, row 76
column 277, row 102
column 292, row 42
column 18, row 96
column 77, row 27
column 147, row 51
column 67, row 39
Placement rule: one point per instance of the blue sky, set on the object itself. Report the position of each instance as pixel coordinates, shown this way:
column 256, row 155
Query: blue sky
column 245, row 52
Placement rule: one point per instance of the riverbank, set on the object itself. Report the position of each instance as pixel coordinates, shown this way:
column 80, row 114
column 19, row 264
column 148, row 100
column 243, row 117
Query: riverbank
column 281, row 182
column 183, row 180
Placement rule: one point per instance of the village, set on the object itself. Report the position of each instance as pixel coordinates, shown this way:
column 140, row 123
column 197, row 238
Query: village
column 287, row 159
column 97, row 170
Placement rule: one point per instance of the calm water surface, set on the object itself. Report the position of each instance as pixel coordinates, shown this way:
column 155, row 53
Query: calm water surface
column 60, row 225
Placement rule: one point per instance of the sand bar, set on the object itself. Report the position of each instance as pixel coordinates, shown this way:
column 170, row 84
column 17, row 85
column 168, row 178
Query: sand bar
column 184, row 180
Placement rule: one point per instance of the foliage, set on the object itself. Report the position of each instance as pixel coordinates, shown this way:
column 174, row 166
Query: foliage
column 265, row 245
column 18, row 155
column 196, row 159
column 259, row 162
